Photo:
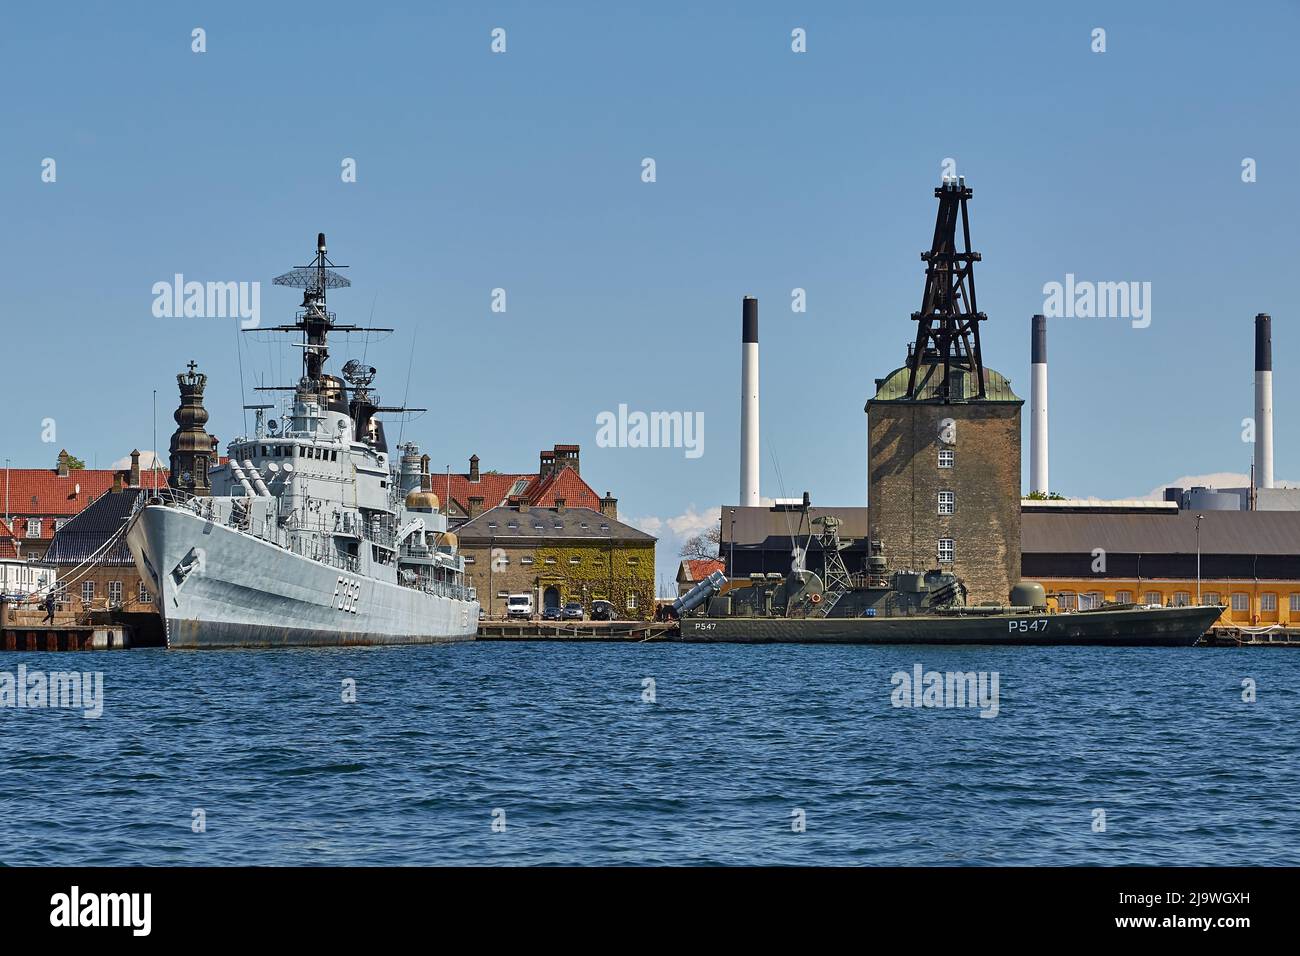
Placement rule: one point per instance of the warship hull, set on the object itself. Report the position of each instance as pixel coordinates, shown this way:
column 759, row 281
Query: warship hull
column 217, row 587
column 1126, row 627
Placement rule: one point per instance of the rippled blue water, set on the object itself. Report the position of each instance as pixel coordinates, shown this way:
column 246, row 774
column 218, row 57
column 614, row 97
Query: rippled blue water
column 557, row 737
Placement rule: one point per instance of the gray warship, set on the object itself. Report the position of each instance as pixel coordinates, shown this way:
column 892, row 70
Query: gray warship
column 313, row 535
column 909, row 607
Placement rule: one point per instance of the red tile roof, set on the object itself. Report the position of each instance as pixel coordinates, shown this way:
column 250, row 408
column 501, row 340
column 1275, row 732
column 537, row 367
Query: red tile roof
column 494, row 489
column 565, row 484
column 43, row 493
column 7, row 546
column 701, row 568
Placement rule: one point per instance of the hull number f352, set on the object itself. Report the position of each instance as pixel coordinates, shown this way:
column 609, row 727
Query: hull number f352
column 347, row 594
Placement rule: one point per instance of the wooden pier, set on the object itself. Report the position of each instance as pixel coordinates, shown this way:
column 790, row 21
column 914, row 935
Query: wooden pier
column 625, row 631
column 1220, row 636
column 25, row 629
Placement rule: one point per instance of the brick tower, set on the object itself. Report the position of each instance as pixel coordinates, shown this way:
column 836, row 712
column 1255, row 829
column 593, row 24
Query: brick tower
column 943, row 465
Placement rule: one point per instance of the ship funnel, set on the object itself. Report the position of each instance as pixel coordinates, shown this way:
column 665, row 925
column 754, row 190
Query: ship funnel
column 749, row 402
column 1263, row 401
column 1038, row 481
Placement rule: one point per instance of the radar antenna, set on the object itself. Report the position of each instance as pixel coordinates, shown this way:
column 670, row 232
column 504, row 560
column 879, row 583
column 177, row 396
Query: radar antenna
column 358, row 374
column 314, row 320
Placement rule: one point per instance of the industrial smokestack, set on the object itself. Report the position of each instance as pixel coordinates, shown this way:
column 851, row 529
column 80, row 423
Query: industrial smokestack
column 749, row 402
column 1038, row 406
column 1263, row 401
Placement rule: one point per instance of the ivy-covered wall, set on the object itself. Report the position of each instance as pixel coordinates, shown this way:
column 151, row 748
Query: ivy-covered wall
column 580, row 572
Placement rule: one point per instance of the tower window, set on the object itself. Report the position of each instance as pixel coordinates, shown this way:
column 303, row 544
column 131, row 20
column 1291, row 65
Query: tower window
column 946, row 456
column 947, row 503
column 946, row 551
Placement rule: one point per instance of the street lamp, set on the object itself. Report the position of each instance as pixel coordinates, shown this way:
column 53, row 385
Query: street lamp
column 1198, row 558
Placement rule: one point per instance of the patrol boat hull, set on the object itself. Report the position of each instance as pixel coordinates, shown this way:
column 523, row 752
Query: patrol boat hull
column 1121, row 627
column 217, row 587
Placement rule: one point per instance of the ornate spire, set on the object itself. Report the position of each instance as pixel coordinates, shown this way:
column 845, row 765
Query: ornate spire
column 191, row 447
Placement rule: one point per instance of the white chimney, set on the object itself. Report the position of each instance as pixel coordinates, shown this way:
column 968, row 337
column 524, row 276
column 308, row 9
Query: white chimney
column 749, row 402
column 1038, row 406
column 1263, row 401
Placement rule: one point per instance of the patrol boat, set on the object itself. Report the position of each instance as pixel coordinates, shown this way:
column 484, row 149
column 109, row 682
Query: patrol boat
column 313, row 535
column 909, row 607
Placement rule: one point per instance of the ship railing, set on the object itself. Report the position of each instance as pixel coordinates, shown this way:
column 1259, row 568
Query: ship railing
column 447, row 589
column 339, row 559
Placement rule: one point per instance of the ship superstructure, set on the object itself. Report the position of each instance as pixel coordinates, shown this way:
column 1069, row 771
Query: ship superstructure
column 313, row 534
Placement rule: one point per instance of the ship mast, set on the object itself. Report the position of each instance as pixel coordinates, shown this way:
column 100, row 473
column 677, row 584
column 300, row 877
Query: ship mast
column 314, row 321
column 948, row 331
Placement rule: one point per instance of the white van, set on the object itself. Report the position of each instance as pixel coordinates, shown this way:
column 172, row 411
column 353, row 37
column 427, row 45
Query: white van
column 519, row 605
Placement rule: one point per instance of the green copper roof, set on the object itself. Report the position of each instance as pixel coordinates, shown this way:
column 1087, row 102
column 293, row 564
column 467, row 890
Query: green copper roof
column 893, row 387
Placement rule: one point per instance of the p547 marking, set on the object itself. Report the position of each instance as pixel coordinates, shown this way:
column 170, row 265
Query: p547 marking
column 1024, row 625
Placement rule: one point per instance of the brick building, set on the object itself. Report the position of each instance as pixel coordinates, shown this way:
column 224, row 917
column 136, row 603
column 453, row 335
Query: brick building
column 95, row 568
column 557, row 483
column 943, row 445
column 559, row 555
column 944, row 479
column 39, row 501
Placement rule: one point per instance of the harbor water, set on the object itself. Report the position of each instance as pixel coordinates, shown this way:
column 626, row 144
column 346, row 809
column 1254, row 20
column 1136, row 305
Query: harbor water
column 656, row 753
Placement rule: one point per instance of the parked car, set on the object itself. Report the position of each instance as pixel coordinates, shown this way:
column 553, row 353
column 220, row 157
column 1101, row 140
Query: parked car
column 519, row 606
column 573, row 611
column 553, row 614
column 602, row 611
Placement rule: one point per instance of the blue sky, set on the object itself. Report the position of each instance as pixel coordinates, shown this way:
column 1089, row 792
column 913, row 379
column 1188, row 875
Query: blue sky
column 775, row 170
